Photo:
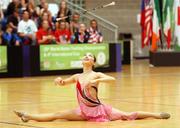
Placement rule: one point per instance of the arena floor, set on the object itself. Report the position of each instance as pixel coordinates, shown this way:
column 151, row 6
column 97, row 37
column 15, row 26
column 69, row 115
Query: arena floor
column 138, row 88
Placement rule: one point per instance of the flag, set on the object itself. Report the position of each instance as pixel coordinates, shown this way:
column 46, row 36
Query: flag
column 146, row 22
column 156, row 30
column 176, row 9
column 167, row 19
column 178, row 14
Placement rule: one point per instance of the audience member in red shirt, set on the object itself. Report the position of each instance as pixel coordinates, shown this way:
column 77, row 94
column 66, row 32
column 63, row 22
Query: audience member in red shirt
column 62, row 34
column 44, row 35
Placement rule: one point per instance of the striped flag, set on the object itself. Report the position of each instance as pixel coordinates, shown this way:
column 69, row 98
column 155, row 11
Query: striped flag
column 146, row 22
column 178, row 13
column 176, row 10
column 167, row 19
column 156, row 25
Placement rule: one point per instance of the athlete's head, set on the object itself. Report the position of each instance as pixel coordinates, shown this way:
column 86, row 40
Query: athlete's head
column 89, row 60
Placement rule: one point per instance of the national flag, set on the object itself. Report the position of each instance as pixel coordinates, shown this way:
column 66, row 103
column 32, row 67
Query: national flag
column 178, row 14
column 167, row 27
column 176, row 10
column 146, row 22
column 156, row 25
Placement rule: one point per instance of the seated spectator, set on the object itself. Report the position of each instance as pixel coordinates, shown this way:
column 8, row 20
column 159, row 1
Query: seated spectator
column 31, row 9
column 1, row 37
column 64, row 11
column 42, row 3
column 74, row 24
column 45, row 16
column 1, row 14
column 40, row 6
column 44, row 35
column 13, row 20
column 3, row 20
column 22, row 5
column 12, row 7
column 45, row 9
column 62, row 34
column 10, row 38
column 95, row 34
column 27, row 29
column 82, row 36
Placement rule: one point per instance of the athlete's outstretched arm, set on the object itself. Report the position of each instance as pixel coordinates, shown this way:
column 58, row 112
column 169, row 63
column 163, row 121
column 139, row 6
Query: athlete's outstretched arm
column 101, row 77
column 70, row 80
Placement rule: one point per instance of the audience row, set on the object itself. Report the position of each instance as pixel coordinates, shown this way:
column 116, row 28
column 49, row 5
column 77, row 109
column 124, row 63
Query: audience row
column 23, row 24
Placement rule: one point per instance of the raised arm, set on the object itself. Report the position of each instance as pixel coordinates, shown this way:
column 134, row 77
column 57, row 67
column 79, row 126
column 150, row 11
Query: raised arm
column 70, row 80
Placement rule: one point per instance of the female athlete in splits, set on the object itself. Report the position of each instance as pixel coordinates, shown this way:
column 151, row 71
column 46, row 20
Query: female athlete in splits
column 90, row 107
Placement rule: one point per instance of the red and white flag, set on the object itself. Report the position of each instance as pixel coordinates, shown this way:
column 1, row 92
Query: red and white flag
column 176, row 9
column 146, row 22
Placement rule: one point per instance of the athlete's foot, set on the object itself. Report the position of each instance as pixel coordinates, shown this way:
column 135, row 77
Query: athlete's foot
column 165, row 115
column 22, row 115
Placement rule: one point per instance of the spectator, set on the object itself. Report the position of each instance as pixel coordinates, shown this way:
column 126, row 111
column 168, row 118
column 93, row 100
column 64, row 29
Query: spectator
column 95, row 34
column 1, row 14
column 63, row 34
column 74, row 25
column 13, row 20
column 40, row 6
column 22, row 5
column 3, row 21
column 45, row 9
column 1, row 37
column 64, row 11
column 27, row 29
column 12, row 7
column 31, row 10
column 42, row 3
column 1, row 18
column 10, row 38
column 44, row 34
column 82, row 36
column 45, row 16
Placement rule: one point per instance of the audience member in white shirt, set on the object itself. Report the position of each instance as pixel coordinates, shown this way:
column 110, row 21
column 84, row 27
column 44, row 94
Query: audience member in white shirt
column 27, row 29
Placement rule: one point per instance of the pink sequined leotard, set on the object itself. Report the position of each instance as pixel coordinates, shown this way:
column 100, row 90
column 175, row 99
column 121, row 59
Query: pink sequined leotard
column 92, row 109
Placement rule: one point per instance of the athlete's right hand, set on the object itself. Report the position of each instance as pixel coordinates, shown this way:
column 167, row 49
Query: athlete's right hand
column 59, row 81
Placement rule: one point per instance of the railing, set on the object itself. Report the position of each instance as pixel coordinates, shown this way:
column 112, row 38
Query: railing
column 108, row 29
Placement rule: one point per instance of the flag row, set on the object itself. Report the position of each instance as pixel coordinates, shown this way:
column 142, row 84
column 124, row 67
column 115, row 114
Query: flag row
column 160, row 23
